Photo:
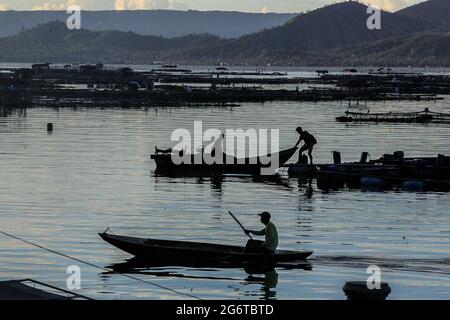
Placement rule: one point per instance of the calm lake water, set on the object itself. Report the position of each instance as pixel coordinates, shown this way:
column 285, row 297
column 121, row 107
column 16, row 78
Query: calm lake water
column 94, row 172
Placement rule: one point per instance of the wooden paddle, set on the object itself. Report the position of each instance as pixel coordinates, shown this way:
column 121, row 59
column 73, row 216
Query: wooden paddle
column 251, row 238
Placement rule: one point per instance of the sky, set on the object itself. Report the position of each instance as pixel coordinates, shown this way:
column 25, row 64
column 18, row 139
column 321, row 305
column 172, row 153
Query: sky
column 264, row 6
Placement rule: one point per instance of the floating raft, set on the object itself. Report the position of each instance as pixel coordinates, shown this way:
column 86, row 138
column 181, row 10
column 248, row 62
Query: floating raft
column 392, row 169
column 418, row 173
column 425, row 116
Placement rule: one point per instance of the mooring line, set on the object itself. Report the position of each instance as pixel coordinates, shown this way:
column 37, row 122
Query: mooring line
column 99, row 267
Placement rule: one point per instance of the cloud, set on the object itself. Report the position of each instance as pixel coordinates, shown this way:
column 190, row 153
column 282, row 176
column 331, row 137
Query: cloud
column 62, row 5
column 265, row 9
column 49, row 6
column 4, row 6
column 150, row 5
column 81, row 3
column 391, row 5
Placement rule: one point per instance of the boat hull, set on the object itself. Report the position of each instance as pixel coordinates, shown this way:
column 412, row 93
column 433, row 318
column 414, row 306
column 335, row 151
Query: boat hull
column 302, row 170
column 165, row 164
column 194, row 252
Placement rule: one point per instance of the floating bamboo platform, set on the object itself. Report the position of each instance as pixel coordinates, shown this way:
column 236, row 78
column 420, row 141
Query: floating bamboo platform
column 91, row 87
column 425, row 116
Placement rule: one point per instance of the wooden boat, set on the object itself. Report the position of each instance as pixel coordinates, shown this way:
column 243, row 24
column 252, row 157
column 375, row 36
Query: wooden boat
column 196, row 252
column 425, row 116
column 29, row 289
column 230, row 164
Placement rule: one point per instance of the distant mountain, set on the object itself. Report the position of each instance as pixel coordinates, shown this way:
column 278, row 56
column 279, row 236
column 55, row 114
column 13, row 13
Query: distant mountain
column 437, row 11
column 53, row 42
column 333, row 26
column 332, row 36
column 421, row 49
column 166, row 23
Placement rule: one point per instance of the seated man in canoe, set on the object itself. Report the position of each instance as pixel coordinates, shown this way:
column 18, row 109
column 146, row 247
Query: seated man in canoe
column 310, row 142
column 269, row 246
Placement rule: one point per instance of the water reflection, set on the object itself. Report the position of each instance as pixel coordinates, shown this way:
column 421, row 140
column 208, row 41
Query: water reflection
column 6, row 111
column 217, row 180
column 137, row 264
column 251, row 273
column 268, row 282
column 306, row 184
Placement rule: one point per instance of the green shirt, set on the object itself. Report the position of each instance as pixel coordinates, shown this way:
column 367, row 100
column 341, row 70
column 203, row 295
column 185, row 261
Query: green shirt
column 271, row 234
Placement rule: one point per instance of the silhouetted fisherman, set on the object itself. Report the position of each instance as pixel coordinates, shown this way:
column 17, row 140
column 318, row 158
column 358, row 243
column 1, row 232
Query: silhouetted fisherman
column 309, row 140
column 269, row 246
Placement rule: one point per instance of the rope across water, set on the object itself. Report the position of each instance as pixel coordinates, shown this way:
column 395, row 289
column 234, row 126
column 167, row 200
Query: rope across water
column 98, row 267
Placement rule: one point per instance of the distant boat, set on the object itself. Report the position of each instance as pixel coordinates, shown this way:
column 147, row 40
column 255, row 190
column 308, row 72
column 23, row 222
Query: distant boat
column 170, row 70
column 169, row 66
column 278, row 73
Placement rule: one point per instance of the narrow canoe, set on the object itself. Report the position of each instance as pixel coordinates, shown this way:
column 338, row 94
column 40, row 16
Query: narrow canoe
column 196, row 252
column 230, row 164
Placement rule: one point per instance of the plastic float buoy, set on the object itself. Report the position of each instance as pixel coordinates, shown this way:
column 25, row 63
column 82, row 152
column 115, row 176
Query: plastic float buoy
column 413, row 186
column 358, row 290
column 372, row 184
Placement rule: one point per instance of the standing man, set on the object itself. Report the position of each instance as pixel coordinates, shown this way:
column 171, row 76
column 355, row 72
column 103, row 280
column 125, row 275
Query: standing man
column 310, row 142
column 269, row 246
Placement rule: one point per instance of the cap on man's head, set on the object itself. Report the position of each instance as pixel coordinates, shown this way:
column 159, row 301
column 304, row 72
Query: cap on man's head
column 264, row 214
column 299, row 129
